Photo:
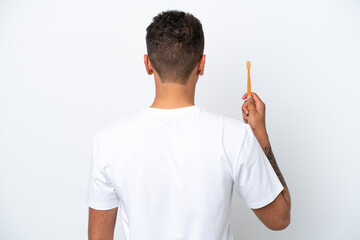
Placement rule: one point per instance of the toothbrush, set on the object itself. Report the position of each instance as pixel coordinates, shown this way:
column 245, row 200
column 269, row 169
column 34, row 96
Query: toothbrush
column 248, row 79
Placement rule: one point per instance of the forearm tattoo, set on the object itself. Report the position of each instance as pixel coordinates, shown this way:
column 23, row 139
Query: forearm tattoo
column 269, row 154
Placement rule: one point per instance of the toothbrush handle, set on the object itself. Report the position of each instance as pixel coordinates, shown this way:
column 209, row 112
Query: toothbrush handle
column 248, row 84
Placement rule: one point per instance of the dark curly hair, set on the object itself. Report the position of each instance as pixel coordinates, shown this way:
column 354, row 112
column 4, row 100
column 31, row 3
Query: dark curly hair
column 175, row 44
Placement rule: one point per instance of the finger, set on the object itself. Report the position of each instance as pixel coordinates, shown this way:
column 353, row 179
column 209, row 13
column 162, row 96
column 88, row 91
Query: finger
column 256, row 97
column 245, row 107
column 260, row 105
column 244, row 96
column 246, row 118
column 245, row 104
column 251, row 103
column 245, row 110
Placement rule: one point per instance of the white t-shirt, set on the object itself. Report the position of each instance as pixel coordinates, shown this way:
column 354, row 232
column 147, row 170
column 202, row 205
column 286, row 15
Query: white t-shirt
column 171, row 172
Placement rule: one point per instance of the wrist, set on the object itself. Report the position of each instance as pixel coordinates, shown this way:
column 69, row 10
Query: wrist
column 262, row 137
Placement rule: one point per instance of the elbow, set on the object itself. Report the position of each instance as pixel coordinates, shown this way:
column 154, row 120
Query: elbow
column 281, row 224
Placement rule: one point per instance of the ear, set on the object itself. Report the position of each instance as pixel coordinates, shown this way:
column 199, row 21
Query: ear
column 201, row 65
column 148, row 66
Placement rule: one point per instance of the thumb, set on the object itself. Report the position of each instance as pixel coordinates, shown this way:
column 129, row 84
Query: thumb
column 251, row 103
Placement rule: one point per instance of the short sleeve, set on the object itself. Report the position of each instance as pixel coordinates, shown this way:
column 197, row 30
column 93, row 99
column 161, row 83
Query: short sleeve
column 255, row 181
column 254, row 178
column 101, row 194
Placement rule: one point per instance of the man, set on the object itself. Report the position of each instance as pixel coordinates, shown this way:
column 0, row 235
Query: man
column 171, row 167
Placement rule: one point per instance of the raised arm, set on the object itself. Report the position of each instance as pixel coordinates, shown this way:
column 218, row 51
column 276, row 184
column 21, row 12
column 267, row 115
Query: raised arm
column 102, row 224
column 276, row 215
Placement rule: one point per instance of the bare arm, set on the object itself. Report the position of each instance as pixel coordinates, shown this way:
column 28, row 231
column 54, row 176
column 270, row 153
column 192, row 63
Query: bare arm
column 102, row 224
column 276, row 215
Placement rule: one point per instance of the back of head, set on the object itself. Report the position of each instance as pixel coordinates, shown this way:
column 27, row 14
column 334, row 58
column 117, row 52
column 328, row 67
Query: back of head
column 175, row 44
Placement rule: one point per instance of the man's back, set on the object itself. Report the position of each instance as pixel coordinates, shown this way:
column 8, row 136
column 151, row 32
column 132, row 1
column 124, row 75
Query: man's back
column 172, row 172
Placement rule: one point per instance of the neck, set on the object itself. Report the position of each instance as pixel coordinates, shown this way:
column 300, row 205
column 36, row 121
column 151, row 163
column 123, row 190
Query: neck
column 170, row 102
column 172, row 95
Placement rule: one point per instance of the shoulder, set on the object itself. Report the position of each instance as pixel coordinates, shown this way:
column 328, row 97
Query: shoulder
column 229, row 126
column 125, row 123
column 234, row 124
column 234, row 132
column 222, row 118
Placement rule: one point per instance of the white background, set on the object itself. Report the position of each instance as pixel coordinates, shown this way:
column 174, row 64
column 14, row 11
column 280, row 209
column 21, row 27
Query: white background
column 69, row 68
